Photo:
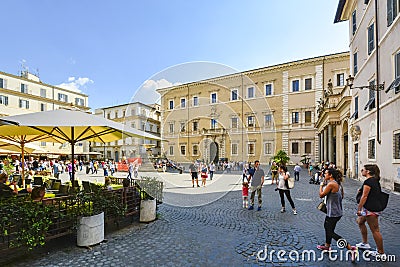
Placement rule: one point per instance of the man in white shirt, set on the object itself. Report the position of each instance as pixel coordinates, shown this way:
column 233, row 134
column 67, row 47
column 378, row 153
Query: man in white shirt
column 297, row 170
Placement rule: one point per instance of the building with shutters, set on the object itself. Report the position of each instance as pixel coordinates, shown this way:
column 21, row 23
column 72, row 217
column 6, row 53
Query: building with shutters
column 250, row 115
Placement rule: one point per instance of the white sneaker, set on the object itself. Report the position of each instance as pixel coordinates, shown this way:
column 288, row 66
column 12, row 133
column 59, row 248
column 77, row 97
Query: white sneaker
column 376, row 254
column 294, row 212
column 363, row 245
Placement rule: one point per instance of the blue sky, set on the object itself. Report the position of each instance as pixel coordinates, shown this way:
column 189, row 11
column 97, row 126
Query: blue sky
column 110, row 49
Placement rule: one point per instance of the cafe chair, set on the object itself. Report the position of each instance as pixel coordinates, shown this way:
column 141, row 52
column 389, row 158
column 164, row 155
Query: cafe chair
column 86, row 186
column 55, row 187
column 38, row 180
column 63, row 191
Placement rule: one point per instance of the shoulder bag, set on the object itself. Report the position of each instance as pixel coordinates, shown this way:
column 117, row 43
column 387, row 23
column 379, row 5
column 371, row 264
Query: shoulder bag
column 290, row 182
column 322, row 207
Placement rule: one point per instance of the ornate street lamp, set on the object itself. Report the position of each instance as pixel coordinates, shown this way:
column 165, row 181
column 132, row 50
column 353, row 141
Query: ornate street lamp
column 375, row 87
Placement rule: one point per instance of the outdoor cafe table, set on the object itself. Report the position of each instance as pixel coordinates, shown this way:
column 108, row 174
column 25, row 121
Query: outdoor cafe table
column 49, row 195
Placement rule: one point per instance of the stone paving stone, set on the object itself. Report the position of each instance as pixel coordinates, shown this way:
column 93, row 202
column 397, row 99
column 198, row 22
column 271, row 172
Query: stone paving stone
column 212, row 229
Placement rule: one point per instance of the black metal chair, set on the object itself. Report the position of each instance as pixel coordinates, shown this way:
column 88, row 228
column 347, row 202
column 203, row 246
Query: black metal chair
column 86, row 186
column 75, row 187
column 50, row 183
column 55, row 187
column 63, row 191
column 38, row 180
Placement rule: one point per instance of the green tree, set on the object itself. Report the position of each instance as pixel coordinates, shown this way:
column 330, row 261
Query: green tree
column 281, row 158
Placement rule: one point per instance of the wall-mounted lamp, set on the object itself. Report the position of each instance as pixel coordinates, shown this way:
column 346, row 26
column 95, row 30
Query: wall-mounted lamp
column 375, row 87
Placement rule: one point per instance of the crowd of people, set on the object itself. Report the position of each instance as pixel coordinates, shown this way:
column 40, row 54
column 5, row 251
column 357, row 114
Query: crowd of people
column 332, row 192
column 330, row 179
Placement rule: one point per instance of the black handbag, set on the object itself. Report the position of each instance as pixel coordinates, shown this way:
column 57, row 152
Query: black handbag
column 322, row 207
column 358, row 196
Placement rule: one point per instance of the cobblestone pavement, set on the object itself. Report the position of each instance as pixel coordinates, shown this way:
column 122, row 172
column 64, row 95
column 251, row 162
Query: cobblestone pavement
column 208, row 227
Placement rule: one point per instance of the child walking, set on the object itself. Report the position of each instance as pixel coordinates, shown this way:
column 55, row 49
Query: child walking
column 245, row 194
column 203, row 175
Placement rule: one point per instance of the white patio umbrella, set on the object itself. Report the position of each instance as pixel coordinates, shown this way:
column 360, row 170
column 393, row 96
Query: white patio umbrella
column 65, row 125
column 16, row 147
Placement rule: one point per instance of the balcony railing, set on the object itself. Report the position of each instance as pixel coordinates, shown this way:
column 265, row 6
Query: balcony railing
column 215, row 131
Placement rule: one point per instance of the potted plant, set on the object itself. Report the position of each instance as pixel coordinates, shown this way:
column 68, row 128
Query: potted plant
column 92, row 209
column 281, row 158
column 25, row 222
column 150, row 192
column 305, row 160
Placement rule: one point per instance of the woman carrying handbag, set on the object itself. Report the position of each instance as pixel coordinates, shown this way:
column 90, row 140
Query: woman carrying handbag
column 333, row 191
column 284, row 189
column 368, row 211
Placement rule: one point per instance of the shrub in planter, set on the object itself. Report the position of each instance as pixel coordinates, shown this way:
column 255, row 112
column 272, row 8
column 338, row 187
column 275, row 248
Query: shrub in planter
column 25, row 222
column 150, row 192
column 150, row 188
column 93, row 208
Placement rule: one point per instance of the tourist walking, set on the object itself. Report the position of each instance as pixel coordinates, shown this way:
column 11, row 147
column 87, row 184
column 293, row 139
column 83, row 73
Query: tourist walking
column 203, row 175
column 257, row 182
column 69, row 168
column 332, row 189
column 136, row 171
column 274, row 172
column 245, row 194
column 283, row 188
column 56, row 171
column 367, row 208
column 297, row 170
column 245, row 173
column 194, row 169
column 211, row 170
column 130, row 171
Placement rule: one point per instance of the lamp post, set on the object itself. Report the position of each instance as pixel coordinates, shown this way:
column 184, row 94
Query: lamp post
column 375, row 87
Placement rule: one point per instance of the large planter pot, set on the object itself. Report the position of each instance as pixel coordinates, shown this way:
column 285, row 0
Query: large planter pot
column 148, row 210
column 90, row 230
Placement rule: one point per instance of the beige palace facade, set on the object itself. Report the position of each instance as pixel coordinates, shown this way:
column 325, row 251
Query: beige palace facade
column 374, row 34
column 250, row 115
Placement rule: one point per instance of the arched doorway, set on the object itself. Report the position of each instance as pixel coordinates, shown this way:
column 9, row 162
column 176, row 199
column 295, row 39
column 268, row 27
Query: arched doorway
column 214, row 152
column 116, row 156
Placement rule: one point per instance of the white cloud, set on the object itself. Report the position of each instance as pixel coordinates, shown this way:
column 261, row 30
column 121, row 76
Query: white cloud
column 154, row 85
column 72, row 61
column 76, row 84
column 147, row 92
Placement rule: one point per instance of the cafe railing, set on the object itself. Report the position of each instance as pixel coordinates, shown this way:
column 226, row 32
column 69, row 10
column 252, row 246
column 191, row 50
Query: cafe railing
column 62, row 211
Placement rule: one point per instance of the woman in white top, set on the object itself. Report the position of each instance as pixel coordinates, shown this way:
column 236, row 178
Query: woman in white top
column 283, row 189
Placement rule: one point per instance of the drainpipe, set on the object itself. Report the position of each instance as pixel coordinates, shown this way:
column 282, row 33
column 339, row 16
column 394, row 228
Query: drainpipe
column 378, row 128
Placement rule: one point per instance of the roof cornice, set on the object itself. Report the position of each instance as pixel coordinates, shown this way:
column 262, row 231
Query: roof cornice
column 272, row 68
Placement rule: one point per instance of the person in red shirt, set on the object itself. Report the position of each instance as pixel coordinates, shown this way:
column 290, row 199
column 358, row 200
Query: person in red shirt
column 245, row 194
